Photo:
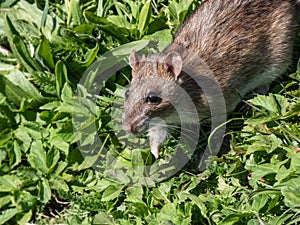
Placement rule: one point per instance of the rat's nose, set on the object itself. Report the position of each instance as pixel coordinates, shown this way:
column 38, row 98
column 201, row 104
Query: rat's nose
column 127, row 127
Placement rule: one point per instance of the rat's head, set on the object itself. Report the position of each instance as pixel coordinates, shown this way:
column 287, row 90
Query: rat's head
column 153, row 89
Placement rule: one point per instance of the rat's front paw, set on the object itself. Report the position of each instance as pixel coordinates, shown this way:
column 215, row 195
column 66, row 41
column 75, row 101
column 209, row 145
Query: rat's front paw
column 157, row 135
column 155, row 150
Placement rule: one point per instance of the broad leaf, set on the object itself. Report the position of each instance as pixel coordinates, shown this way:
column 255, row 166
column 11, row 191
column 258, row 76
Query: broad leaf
column 38, row 157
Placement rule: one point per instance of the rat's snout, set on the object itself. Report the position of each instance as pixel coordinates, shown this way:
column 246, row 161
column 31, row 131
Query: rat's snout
column 134, row 126
column 127, row 125
column 131, row 128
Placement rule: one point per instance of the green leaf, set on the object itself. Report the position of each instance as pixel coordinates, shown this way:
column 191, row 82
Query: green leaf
column 144, row 17
column 283, row 173
column 57, row 183
column 92, row 18
column 10, row 183
column 25, row 218
column 51, row 105
column 59, row 143
column 35, row 130
column 5, row 68
column 25, row 200
column 17, row 154
column 295, row 163
column 7, row 4
column 52, row 158
column 90, row 56
column 67, row 94
column 291, row 192
column 162, row 192
column 139, row 209
column 103, row 218
column 294, row 109
column 259, row 201
column 7, row 214
column 61, row 166
column 103, row 184
column 120, row 21
column 104, row 6
column 5, row 136
column 22, row 134
column 44, row 191
column 3, row 155
column 5, row 200
column 296, row 75
column 268, row 143
column 74, row 13
column 31, row 92
column 19, row 48
column 85, row 30
column 137, row 161
column 263, row 170
column 121, row 10
column 44, row 51
column 33, row 25
column 134, row 194
column 274, row 104
column 38, row 157
column 281, row 219
column 10, row 29
column 198, row 201
column 112, row 192
column 88, row 162
column 45, row 14
column 184, row 7
column 168, row 213
column 178, row 10
column 134, row 8
column 117, row 33
column 12, row 91
column 164, row 38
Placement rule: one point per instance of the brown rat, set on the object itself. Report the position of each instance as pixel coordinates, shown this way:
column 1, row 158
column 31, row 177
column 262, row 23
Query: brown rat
column 245, row 43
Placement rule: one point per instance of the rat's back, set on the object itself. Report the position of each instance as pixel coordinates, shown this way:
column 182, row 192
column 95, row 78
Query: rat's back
column 246, row 43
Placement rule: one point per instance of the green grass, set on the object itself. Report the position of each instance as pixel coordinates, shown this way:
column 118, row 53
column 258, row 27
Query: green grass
column 47, row 178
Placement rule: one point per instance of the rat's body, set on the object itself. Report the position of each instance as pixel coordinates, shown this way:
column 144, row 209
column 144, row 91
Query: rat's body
column 245, row 43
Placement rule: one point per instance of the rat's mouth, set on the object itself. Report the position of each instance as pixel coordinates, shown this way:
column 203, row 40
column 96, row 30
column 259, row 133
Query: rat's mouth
column 142, row 129
column 138, row 128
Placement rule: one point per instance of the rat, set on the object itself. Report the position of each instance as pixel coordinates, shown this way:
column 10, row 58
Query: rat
column 245, row 43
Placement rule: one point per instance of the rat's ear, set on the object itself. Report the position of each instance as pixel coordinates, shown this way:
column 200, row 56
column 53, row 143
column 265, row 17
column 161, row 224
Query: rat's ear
column 134, row 58
column 174, row 63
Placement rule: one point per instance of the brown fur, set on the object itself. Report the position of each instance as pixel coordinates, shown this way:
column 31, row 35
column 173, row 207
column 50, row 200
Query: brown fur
column 240, row 41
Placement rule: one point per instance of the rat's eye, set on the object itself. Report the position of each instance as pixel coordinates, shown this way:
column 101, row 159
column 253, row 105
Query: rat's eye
column 153, row 98
column 126, row 93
